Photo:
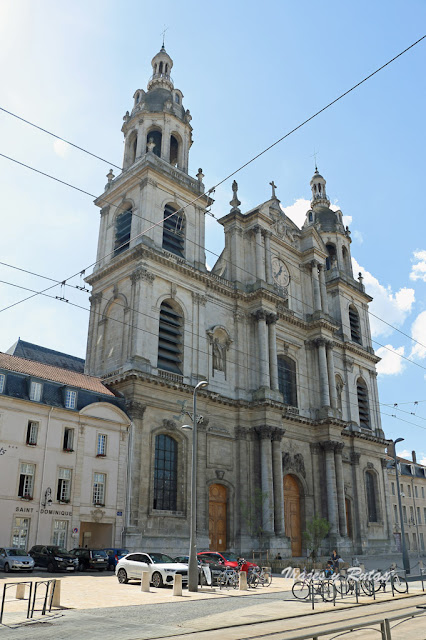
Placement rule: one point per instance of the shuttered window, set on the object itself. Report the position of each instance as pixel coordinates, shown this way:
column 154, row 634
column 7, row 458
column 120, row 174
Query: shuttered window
column 123, row 225
column 354, row 325
column 165, row 473
column 287, row 380
column 173, row 231
column 170, row 339
column 363, row 408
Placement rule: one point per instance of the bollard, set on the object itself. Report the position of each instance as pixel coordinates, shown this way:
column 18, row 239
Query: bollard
column 177, row 585
column 20, row 591
column 362, row 567
column 243, row 581
column 55, row 589
column 145, row 580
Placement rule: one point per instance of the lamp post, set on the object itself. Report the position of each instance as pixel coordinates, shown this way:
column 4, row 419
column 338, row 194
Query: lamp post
column 405, row 557
column 193, row 564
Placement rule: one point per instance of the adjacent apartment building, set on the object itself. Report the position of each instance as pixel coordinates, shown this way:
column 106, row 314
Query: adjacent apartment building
column 63, row 453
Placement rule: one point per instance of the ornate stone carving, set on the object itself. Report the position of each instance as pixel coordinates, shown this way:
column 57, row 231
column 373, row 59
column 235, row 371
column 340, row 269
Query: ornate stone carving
column 277, row 434
column 97, row 514
column 264, row 432
column 95, row 298
column 354, row 457
column 135, row 409
column 271, row 318
column 339, row 447
column 104, row 211
column 220, row 341
column 170, row 425
column 299, row 464
column 286, row 460
column 260, row 314
column 199, row 298
column 315, row 448
column 235, row 203
column 329, row 445
column 282, row 229
column 370, row 465
column 241, row 433
column 219, row 474
column 142, row 273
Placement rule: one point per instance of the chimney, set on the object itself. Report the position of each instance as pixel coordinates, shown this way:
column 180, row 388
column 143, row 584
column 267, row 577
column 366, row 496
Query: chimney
column 413, row 454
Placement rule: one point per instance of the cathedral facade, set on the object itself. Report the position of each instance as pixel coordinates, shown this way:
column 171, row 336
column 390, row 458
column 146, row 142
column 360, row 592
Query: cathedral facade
column 289, row 423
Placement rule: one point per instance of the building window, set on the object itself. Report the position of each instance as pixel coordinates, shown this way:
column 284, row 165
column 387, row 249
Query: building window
column 332, row 255
column 412, row 515
column 354, row 325
column 393, row 488
column 409, row 490
column 35, row 391
column 401, row 487
column 101, row 448
column 419, row 517
column 407, row 541
column 26, row 480
column 414, row 541
column 363, row 408
column 173, row 231
column 415, row 491
column 287, row 380
column 99, row 481
column 64, row 485
column 2, row 382
column 370, row 485
column 123, row 227
column 174, row 150
column 423, row 492
column 165, row 473
column 154, row 137
column 32, row 433
column 59, row 538
column 68, row 439
column 422, row 542
column 310, row 216
column 70, row 399
column 177, row 99
column 20, row 533
column 170, row 339
column 395, row 512
column 404, row 514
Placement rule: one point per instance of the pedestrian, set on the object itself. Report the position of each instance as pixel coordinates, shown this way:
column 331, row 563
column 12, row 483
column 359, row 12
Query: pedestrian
column 278, row 556
column 335, row 560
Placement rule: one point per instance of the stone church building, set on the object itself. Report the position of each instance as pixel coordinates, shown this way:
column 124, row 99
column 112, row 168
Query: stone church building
column 290, row 423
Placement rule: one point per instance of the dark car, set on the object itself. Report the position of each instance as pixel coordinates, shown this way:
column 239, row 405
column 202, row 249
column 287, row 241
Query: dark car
column 53, row 558
column 114, row 555
column 90, row 559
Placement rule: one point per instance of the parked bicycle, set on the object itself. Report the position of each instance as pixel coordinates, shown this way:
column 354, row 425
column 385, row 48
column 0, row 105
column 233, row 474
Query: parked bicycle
column 229, row 578
column 258, row 576
column 323, row 587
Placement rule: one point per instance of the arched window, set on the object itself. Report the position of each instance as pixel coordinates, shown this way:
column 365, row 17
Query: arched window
column 177, row 99
column 310, row 217
column 155, row 137
column 160, row 68
column 173, row 231
column 331, row 255
column 174, row 150
column 354, row 324
column 123, row 226
column 287, row 380
column 165, row 473
column 137, row 97
column 346, row 261
column 370, row 487
column 170, row 338
column 363, row 407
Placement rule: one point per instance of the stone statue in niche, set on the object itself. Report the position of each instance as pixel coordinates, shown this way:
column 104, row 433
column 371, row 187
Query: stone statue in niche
column 218, row 355
column 220, row 342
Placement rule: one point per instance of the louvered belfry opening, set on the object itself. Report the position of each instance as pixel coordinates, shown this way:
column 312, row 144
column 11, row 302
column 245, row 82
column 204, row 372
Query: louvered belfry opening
column 170, row 339
column 363, row 409
column 173, row 231
column 123, row 226
column 354, row 325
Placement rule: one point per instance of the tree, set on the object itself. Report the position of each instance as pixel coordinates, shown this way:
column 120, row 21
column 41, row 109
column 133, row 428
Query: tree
column 316, row 530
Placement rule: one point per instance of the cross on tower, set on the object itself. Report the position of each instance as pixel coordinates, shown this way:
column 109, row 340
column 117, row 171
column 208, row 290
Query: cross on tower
column 314, row 155
column 163, row 33
column 274, row 186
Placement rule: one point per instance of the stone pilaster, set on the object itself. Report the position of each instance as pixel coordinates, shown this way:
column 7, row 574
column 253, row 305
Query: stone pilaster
column 136, row 412
column 331, row 375
column 355, row 457
column 323, row 289
column 323, row 372
column 262, row 334
column 273, row 359
column 340, row 485
column 260, row 272
column 277, row 465
column 315, row 286
column 268, row 257
column 265, row 434
column 316, row 479
column 330, row 475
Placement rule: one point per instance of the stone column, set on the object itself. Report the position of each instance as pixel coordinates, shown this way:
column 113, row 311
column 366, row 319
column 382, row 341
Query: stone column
column 323, row 373
column 384, row 464
column 141, row 143
column 323, row 288
column 330, row 475
column 273, row 359
column 356, row 515
column 277, row 466
column 268, row 257
column 331, row 375
column 316, row 479
column 260, row 275
column 95, row 315
column 244, row 473
column 137, row 501
column 262, row 333
column 266, row 479
column 340, row 485
column 315, row 286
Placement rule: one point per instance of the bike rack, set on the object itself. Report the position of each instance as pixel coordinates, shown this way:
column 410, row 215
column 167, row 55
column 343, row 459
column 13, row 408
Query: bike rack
column 33, row 585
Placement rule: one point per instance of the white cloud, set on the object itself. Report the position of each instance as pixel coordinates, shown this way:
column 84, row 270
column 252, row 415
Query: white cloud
column 422, row 460
column 61, row 148
column 358, row 236
column 391, row 363
column 392, row 307
column 347, row 220
column 405, row 454
column 418, row 332
column 418, row 270
column 297, row 211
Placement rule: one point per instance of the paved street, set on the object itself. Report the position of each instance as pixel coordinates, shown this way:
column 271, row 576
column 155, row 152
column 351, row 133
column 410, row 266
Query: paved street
column 99, row 607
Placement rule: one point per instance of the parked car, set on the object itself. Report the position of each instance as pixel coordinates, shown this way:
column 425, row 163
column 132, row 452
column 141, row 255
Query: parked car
column 227, row 558
column 53, row 558
column 161, row 567
column 215, row 567
column 15, row 560
column 114, row 555
column 90, row 559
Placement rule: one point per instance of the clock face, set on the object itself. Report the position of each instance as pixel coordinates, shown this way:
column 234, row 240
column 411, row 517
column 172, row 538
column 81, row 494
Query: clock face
column 280, row 272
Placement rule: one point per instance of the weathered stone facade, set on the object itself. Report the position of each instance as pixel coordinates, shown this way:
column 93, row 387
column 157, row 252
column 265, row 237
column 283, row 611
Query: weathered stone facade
column 280, row 330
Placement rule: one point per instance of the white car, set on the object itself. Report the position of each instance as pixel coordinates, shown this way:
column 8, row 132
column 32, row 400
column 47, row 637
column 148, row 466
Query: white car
column 161, row 567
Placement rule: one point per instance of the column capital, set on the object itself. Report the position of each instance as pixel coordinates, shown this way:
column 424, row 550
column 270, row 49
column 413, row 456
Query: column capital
column 95, row 298
column 355, row 456
column 315, row 448
column 339, row 448
column 141, row 273
column 266, row 233
column 384, row 463
column 241, row 433
column 260, row 314
column 199, row 298
column 277, row 434
column 257, row 229
column 264, row 432
column 314, row 263
column 271, row 318
column 135, row 410
column 104, row 211
column 329, row 445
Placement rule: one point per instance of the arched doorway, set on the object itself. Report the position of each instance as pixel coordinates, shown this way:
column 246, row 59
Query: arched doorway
column 292, row 514
column 217, row 517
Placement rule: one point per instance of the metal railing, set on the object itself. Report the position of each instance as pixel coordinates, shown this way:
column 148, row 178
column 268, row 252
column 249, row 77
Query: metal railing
column 47, row 597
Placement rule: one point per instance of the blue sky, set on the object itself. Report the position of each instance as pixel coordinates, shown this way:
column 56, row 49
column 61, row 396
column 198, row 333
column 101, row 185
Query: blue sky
column 249, row 73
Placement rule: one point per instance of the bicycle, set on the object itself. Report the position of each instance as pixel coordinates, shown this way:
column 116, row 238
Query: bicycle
column 323, row 587
column 229, row 578
column 258, row 576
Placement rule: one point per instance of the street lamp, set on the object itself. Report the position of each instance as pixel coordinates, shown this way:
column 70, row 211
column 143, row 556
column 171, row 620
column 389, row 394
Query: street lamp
column 193, row 564
column 405, row 557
